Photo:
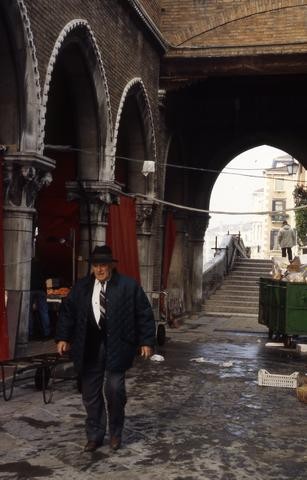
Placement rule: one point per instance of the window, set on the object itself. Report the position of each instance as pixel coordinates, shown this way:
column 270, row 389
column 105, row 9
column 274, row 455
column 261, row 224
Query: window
column 278, row 206
column 279, row 185
column 273, row 240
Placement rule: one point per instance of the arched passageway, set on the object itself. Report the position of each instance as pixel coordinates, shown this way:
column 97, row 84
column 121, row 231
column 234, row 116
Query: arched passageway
column 219, row 118
column 76, row 132
column 24, row 171
column 10, row 91
column 135, row 148
column 259, row 180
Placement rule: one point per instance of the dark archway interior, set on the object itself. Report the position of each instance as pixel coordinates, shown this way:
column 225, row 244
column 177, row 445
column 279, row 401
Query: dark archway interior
column 219, row 118
column 10, row 101
column 72, row 140
column 175, row 179
column 131, row 146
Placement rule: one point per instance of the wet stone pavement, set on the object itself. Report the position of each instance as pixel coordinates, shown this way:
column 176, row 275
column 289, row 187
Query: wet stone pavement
column 185, row 420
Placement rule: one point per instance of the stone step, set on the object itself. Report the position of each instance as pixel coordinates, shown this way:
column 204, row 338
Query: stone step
column 253, row 262
column 230, row 314
column 247, row 273
column 252, row 268
column 241, row 281
column 230, row 287
column 239, row 293
column 233, row 310
column 232, row 302
column 258, row 271
column 235, row 295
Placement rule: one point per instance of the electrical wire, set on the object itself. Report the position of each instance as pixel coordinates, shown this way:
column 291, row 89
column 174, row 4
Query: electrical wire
column 215, row 212
column 173, row 165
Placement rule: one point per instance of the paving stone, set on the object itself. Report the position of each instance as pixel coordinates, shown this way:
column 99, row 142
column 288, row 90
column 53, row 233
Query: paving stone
column 185, row 420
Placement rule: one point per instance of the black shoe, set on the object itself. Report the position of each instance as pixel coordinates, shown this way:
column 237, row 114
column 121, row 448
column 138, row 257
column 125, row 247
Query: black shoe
column 115, row 443
column 91, row 446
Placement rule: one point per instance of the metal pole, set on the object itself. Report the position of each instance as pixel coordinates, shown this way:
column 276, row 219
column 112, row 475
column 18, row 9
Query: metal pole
column 227, row 267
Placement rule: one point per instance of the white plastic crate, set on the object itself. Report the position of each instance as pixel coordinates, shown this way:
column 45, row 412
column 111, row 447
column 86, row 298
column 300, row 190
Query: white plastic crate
column 267, row 379
column 301, row 347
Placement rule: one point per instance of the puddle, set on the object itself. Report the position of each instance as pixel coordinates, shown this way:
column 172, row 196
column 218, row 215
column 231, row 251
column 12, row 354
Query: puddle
column 25, row 470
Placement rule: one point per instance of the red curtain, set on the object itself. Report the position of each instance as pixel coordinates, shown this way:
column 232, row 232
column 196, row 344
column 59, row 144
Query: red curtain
column 121, row 237
column 4, row 339
column 57, row 219
column 169, row 244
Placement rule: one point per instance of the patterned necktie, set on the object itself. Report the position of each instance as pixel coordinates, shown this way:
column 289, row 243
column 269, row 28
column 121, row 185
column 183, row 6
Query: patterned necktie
column 102, row 304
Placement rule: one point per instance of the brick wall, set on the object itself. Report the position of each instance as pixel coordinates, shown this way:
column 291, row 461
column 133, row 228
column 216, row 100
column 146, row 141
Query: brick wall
column 234, row 22
column 153, row 8
column 126, row 51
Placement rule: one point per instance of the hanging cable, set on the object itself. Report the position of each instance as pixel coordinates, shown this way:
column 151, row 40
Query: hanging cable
column 172, row 165
column 214, row 212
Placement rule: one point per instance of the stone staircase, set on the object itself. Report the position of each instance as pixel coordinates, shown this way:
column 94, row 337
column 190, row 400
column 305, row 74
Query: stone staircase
column 239, row 293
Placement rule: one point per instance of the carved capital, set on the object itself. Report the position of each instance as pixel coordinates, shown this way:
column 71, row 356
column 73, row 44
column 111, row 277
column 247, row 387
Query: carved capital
column 25, row 174
column 144, row 214
column 95, row 197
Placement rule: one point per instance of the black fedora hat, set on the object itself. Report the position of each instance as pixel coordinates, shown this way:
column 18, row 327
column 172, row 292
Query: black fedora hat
column 102, row 254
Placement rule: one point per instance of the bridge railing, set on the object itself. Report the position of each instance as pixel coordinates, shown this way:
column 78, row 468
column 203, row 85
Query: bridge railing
column 231, row 247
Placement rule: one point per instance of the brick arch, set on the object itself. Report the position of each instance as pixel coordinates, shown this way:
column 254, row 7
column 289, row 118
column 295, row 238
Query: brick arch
column 231, row 150
column 72, row 28
column 234, row 13
column 136, row 87
column 32, row 89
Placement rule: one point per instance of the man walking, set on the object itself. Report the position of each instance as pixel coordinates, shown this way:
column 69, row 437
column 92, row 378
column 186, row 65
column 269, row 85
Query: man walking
column 103, row 321
column 286, row 240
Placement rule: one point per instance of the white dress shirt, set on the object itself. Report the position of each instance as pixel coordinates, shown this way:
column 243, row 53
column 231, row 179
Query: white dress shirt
column 96, row 299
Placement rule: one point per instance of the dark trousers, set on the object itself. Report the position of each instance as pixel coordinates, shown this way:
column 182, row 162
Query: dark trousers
column 285, row 251
column 39, row 298
column 93, row 379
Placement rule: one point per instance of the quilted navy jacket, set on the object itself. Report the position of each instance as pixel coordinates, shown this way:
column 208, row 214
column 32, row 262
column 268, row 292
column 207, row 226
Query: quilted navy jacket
column 129, row 320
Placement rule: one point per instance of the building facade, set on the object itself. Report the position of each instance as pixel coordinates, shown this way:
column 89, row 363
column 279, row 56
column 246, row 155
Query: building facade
column 79, row 96
column 91, row 90
column 279, row 201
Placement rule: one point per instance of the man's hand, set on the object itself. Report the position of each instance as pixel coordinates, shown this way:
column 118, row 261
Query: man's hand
column 63, row 347
column 146, row 352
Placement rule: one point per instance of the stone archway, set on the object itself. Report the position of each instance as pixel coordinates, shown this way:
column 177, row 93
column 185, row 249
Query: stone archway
column 185, row 274
column 76, row 133
column 134, row 139
column 25, row 171
column 134, row 143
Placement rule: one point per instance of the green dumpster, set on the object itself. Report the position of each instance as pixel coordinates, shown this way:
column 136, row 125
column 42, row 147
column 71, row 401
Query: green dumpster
column 283, row 308
column 263, row 316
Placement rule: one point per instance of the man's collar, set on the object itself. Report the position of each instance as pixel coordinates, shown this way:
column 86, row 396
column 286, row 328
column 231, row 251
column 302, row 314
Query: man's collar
column 100, row 281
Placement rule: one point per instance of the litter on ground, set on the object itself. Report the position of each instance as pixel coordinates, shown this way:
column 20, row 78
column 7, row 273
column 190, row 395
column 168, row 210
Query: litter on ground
column 157, row 358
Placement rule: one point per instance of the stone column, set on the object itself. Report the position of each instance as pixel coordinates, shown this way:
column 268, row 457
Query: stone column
column 24, row 175
column 144, row 221
column 197, row 225
column 95, row 198
column 178, row 280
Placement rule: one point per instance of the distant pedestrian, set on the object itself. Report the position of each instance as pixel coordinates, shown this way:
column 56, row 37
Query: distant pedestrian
column 38, row 299
column 286, row 240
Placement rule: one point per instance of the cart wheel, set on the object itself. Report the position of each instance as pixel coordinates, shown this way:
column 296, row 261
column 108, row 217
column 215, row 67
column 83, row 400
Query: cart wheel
column 38, row 377
column 288, row 341
column 161, row 334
